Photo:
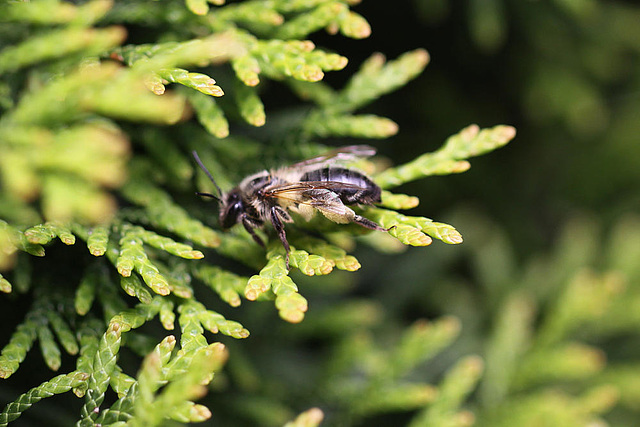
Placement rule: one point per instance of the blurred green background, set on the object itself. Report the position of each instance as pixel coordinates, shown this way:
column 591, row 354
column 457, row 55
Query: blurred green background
column 560, row 200
column 564, row 73
column 547, row 282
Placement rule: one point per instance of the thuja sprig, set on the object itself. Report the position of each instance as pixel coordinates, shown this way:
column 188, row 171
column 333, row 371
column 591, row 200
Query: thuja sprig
column 42, row 234
column 250, row 106
column 96, row 278
column 309, row 418
column 456, row 386
column 557, row 405
column 43, row 322
column 98, row 88
column 376, row 77
column 420, row 342
column 398, row 201
column 372, row 380
column 5, row 285
column 97, row 240
column 59, row 43
column 291, row 19
column 88, row 333
column 198, row 81
column 121, row 410
column 131, row 255
column 279, row 59
column 173, row 401
column 103, row 366
column 297, row 59
column 133, row 286
column 45, row 13
column 251, row 12
column 12, row 239
column 586, row 298
column 414, row 231
column 57, row 385
column 274, row 279
column 332, row 15
column 310, row 264
column 152, row 58
column 360, row 126
column 162, row 212
column 451, row 158
column 227, row 285
column 21, row 341
column 209, row 114
column 332, row 254
column 192, row 311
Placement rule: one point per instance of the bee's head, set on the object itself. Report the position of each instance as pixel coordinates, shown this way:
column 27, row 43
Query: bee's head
column 231, row 206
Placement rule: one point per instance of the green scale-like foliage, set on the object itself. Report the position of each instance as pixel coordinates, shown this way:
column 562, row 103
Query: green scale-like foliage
column 85, row 162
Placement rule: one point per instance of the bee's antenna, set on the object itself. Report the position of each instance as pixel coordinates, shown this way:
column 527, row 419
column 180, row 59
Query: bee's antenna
column 204, row 168
column 213, row 196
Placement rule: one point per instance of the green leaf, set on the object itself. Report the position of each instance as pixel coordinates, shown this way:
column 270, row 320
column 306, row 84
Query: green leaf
column 296, row 59
column 103, row 366
column 164, row 213
column 310, row 264
column 458, row 383
column 57, row 385
column 63, row 332
column 401, row 397
column 168, row 245
column 198, row 81
column 309, row 418
column 422, row 341
column 409, row 230
column 318, row 18
column 210, row 115
column 132, row 256
column 376, row 78
column 59, row 43
column 14, row 352
column 5, row 286
column 274, row 277
column 450, row 158
column 227, row 285
column 250, row 106
column 360, row 126
column 398, row 201
column 133, row 287
column 247, row 69
column 42, row 234
column 49, row 348
column 98, row 240
column 332, row 254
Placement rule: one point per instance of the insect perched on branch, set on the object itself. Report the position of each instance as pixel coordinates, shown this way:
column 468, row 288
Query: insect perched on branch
column 317, row 184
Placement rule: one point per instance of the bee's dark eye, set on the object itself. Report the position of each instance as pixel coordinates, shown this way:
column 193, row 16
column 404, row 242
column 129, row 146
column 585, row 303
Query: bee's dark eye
column 231, row 210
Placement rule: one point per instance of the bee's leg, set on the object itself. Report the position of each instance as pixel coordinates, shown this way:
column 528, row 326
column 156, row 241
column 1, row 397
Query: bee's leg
column 367, row 223
column 279, row 227
column 250, row 228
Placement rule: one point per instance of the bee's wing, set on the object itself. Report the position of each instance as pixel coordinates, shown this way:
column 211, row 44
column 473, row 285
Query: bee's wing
column 342, row 154
column 321, row 195
column 309, row 192
column 317, row 194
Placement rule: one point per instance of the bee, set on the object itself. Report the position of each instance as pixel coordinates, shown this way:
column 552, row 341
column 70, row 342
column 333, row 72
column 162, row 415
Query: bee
column 315, row 185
